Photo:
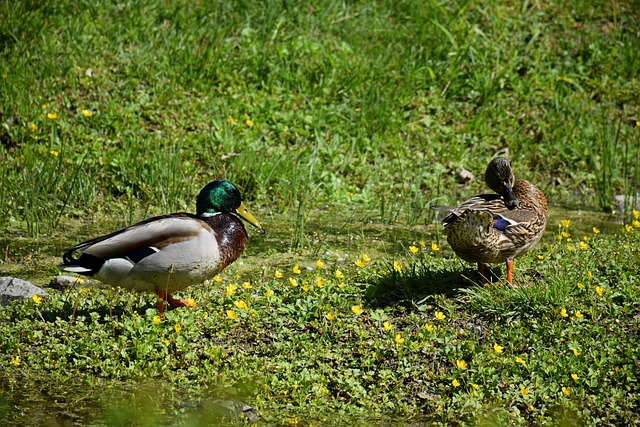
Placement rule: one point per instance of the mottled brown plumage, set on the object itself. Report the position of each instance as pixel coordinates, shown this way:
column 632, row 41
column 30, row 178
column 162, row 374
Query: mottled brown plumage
column 495, row 228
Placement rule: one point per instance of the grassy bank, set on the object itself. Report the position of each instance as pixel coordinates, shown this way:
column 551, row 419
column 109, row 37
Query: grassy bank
column 405, row 336
column 342, row 123
column 303, row 104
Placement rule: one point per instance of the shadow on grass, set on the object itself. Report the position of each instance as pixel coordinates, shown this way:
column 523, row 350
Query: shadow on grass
column 418, row 284
column 117, row 304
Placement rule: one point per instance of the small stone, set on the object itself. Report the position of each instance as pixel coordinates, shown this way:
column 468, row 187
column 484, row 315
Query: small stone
column 62, row 282
column 12, row 289
column 464, row 176
column 622, row 203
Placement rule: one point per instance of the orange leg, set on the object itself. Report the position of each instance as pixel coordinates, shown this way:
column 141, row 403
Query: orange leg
column 510, row 271
column 160, row 303
column 171, row 300
column 483, row 278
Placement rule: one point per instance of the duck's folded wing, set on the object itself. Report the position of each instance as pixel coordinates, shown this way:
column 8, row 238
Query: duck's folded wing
column 139, row 240
column 488, row 202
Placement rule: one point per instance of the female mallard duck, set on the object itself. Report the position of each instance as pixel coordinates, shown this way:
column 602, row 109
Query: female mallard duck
column 167, row 253
column 495, row 228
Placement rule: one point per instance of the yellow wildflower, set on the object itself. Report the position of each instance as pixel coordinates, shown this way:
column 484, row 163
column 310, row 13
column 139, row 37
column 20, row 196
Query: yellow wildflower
column 44, row 106
column 241, row 305
column 52, row 116
column 248, row 122
column 476, row 386
column 596, row 230
column 320, row 282
column 413, row 249
column 357, row 309
column 565, row 223
column 578, row 314
column 292, row 281
column 440, row 316
column 341, row 285
column 422, row 243
column 269, row 293
column 278, row 275
column 296, row 269
column 339, row 274
column 524, row 391
column 360, row 263
column 636, row 223
column 565, row 234
column 461, row 364
column 54, row 153
column 628, row 228
column 231, row 120
column 583, row 246
column 520, row 360
column 246, row 285
column 231, row 289
column 329, row 316
column 365, row 258
column 497, row 348
column 599, row 290
column 232, row 314
column 387, row 326
column 33, row 127
column 589, row 275
column 570, row 248
column 434, row 246
column 580, row 285
column 397, row 266
column 320, row 264
column 15, row 361
column 563, row 312
column 429, row 327
column 191, row 302
column 157, row 319
column 217, row 279
column 37, row 299
column 305, row 288
column 166, row 342
column 576, row 352
column 399, row 339
column 87, row 113
column 575, row 377
column 566, row 391
column 177, row 328
column 636, row 214
column 455, row 383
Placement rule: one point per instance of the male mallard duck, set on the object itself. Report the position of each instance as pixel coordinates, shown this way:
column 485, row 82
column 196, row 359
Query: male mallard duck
column 495, row 228
column 167, row 253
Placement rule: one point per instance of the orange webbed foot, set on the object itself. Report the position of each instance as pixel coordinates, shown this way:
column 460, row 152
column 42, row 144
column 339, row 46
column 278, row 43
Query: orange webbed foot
column 179, row 302
column 173, row 303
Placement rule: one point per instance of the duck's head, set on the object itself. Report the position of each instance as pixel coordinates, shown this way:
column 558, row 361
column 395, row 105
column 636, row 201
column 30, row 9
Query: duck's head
column 222, row 196
column 499, row 177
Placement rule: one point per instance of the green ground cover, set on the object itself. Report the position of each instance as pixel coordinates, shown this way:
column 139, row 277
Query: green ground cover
column 342, row 123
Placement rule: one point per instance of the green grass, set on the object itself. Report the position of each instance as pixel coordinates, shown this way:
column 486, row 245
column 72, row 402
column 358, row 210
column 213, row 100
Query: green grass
column 341, row 123
column 343, row 343
column 406, row 92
